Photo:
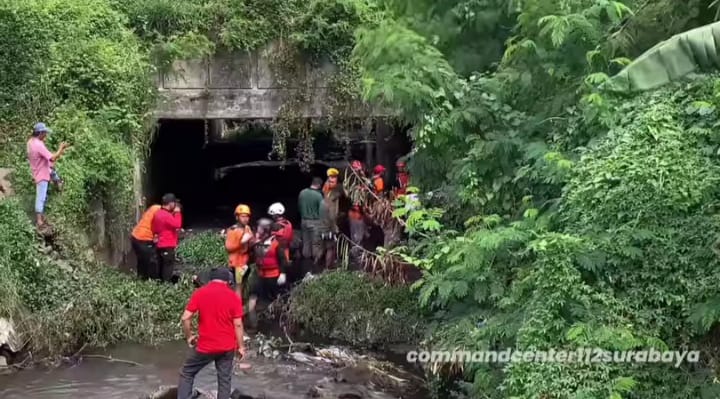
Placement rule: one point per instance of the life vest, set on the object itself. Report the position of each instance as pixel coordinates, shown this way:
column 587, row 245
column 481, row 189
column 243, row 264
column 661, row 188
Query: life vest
column 355, row 213
column 269, row 266
column 238, row 253
column 378, row 184
column 403, row 179
column 143, row 230
column 286, row 234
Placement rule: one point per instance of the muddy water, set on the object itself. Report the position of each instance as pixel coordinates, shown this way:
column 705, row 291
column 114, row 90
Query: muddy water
column 96, row 377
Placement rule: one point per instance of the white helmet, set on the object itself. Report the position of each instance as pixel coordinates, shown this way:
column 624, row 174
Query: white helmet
column 276, row 209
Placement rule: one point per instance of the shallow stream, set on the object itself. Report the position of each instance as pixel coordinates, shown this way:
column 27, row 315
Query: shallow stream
column 132, row 371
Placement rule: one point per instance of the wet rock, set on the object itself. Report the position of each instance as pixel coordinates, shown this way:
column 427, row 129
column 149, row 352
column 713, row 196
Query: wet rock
column 3, row 361
column 360, row 374
column 236, row 394
column 170, row 392
column 200, row 394
column 164, row 392
column 321, row 391
column 307, row 359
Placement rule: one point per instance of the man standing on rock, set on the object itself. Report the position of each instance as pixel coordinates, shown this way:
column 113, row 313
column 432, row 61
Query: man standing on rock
column 41, row 161
column 166, row 224
column 220, row 333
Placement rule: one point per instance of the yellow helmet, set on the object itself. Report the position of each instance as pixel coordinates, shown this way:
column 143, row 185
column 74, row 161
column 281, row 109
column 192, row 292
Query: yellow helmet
column 332, row 172
column 242, row 209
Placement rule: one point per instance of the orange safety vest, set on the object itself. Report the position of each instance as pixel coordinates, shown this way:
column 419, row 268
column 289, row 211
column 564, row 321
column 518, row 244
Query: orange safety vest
column 269, row 267
column 403, row 179
column 379, row 184
column 238, row 253
column 355, row 213
column 143, row 230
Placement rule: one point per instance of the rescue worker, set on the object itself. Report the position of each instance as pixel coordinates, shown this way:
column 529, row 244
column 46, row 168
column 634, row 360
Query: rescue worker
column 378, row 179
column 356, row 218
column 403, row 178
column 358, row 167
column 328, row 232
column 262, row 232
column 142, row 243
column 331, row 182
column 238, row 240
column 276, row 212
column 309, row 202
column 272, row 259
column 166, row 225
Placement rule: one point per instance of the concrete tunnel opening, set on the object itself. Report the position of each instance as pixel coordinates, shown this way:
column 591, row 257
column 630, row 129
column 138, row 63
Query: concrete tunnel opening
column 211, row 175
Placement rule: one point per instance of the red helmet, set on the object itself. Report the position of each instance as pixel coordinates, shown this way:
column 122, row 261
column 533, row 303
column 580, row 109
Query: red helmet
column 400, row 164
column 357, row 165
column 378, row 169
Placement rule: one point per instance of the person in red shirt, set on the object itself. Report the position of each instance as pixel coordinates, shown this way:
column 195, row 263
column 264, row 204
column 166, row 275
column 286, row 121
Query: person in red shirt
column 220, row 333
column 165, row 226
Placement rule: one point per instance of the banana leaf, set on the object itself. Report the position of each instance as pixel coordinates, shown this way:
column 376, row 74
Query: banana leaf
column 697, row 50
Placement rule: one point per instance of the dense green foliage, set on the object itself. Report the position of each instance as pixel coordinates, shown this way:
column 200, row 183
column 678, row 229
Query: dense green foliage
column 62, row 305
column 87, row 68
column 206, row 249
column 355, row 309
column 571, row 217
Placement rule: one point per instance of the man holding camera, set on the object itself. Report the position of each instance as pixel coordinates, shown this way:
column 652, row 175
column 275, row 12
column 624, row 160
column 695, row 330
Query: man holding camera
column 41, row 164
column 166, row 225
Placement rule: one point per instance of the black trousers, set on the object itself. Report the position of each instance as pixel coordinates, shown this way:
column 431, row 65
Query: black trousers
column 196, row 361
column 265, row 288
column 146, row 258
column 166, row 263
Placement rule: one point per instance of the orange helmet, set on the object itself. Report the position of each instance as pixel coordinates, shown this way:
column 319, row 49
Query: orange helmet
column 242, row 209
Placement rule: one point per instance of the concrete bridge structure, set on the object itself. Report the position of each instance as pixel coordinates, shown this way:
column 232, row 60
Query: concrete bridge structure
column 236, row 85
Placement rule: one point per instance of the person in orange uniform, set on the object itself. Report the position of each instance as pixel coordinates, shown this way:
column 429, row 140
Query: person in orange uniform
column 378, row 179
column 403, row 178
column 357, row 224
column 273, row 261
column 142, row 243
column 331, row 182
column 238, row 240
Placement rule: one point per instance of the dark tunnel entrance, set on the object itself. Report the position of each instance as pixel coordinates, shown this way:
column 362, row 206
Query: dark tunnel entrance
column 185, row 160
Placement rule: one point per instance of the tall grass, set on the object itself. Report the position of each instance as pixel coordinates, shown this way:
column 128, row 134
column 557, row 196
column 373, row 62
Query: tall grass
column 59, row 306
